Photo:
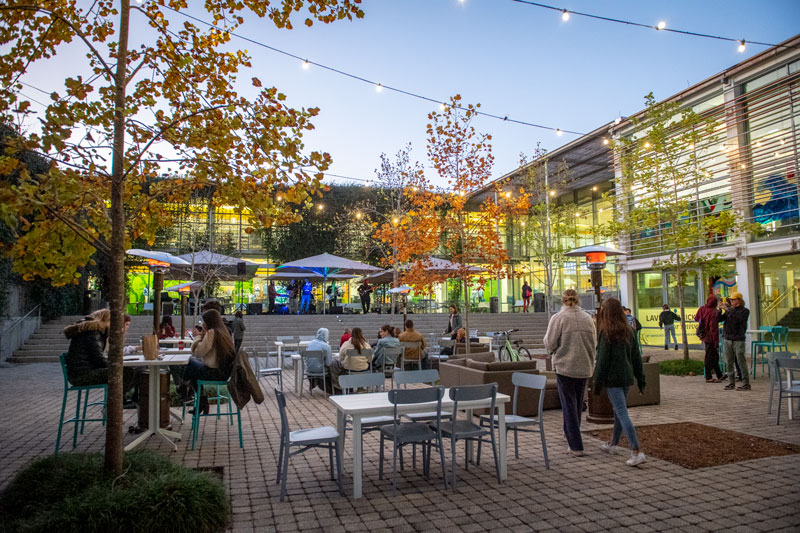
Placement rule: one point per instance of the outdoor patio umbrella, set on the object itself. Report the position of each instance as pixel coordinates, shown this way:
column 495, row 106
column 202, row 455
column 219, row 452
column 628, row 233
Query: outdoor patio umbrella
column 183, row 289
column 159, row 263
column 326, row 265
column 219, row 266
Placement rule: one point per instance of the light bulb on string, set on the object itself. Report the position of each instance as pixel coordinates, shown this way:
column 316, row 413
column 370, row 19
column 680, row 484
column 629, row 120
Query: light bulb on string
column 379, row 87
column 565, row 15
column 442, row 107
column 605, row 141
column 741, row 48
column 661, row 25
column 306, row 64
column 559, row 132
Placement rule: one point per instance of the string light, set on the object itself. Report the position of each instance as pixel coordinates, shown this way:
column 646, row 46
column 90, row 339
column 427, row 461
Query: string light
column 741, row 48
column 442, row 107
column 559, row 132
column 378, row 86
column 279, row 198
column 594, row 188
column 661, row 26
column 320, row 207
column 552, row 193
column 565, row 15
column 605, row 141
column 358, row 215
column 306, row 64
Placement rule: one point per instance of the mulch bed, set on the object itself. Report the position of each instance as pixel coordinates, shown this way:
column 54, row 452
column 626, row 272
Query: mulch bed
column 695, row 446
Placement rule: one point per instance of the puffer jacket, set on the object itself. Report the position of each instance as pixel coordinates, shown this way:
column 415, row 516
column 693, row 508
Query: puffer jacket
column 87, row 342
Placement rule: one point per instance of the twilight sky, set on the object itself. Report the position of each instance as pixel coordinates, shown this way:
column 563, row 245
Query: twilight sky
column 513, row 59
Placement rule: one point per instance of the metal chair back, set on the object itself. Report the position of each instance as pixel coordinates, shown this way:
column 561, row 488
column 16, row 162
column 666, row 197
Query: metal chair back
column 470, row 393
column 373, row 382
column 531, row 381
column 410, row 377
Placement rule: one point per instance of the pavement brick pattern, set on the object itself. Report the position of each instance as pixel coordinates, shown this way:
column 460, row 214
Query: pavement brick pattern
column 596, row 492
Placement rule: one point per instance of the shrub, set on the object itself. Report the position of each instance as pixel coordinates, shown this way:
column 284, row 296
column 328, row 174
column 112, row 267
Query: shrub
column 73, row 492
column 679, row 367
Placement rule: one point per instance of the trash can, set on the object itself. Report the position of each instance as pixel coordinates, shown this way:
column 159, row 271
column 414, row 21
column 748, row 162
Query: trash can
column 494, row 304
column 538, row 302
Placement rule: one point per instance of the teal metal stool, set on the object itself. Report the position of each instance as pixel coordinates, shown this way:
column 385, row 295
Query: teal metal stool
column 774, row 343
column 197, row 414
column 78, row 418
column 723, row 365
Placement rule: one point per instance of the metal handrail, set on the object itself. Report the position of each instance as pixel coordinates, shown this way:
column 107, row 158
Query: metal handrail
column 774, row 305
column 11, row 331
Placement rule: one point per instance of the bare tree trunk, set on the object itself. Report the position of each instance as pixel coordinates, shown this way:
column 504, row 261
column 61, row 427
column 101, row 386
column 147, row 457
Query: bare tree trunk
column 114, row 449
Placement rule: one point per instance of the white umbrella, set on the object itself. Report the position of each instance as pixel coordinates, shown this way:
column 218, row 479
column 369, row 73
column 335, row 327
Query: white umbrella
column 154, row 255
column 327, row 265
column 185, row 287
column 402, row 289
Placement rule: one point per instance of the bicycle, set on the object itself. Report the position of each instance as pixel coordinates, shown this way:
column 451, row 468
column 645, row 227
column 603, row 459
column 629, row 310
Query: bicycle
column 513, row 350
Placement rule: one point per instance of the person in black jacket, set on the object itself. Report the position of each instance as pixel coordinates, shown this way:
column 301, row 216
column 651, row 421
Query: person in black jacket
column 735, row 318
column 86, row 361
column 666, row 320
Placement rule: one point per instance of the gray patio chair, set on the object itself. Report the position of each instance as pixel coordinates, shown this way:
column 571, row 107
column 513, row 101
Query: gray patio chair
column 314, row 356
column 411, row 346
column 306, row 338
column 290, row 345
column 373, row 383
column 366, row 352
column 516, row 422
column 403, row 433
column 391, row 355
column 789, row 391
column 262, row 367
column 467, row 430
column 305, row 439
column 774, row 378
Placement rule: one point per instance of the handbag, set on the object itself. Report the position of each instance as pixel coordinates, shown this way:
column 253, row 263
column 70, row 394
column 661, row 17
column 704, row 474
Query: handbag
column 701, row 331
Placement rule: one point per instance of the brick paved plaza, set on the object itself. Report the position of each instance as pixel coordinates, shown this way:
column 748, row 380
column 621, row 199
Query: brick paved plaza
column 591, row 493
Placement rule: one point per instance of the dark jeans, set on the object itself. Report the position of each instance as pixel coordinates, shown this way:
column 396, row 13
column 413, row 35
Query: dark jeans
column 570, row 392
column 99, row 376
column 365, row 304
column 196, row 369
column 237, row 343
column 271, row 305
column 712, row 360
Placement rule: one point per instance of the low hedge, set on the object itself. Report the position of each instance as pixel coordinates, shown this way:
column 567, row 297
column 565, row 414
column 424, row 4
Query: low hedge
column 679, row 367
column 73, row 492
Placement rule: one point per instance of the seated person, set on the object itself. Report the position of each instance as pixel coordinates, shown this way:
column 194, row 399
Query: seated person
column 350, row 357
column 166, row 330
column 460, row 337
column 86, row 358
column 319, row 344
column 413, row 354
column 212, row 355
column 386, row 340
column 345, row 337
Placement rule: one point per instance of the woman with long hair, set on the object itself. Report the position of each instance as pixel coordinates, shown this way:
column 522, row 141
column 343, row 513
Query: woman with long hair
column 212, row 354
column 350, row 356
column 453, row 322
column 618, row 362
column 166, row 330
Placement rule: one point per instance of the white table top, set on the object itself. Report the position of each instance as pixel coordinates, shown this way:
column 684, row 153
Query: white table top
column 166, row 360
column 758, row 331
column 176, row 340
column 378, row 403
column 175, row 351
column 481, row 339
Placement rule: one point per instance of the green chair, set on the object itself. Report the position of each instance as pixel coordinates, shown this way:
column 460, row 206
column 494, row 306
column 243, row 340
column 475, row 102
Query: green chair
column 78, row 418
column 772, row 344
column 723, row 365
column 197, row 414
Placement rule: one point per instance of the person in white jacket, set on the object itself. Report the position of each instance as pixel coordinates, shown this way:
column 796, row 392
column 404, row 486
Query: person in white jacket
column 571, row 339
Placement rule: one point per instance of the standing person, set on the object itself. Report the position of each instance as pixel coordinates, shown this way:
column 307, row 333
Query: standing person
column 667, row 320
column 453, row 322
column 272, row 293
column 633, row 322
column 320, row 343
column 526, row 296
column 238, row 330
column 213, row 354
column 306, row 300
column 618, row 362
column 709, row 326
column 364, row 291
column 571, row 338
column 292, row 289
column 735, row 317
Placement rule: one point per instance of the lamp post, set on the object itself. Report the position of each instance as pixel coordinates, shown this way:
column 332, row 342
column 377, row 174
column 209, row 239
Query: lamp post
column 600, row 410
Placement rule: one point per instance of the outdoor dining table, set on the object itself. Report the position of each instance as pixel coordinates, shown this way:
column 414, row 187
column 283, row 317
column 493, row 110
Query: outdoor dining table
column 154, row 393
column 176, row 341
column 297, row 361
column 359, row 406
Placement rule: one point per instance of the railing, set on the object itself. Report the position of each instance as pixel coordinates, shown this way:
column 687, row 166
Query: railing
column 775, row 304
column 19, row 331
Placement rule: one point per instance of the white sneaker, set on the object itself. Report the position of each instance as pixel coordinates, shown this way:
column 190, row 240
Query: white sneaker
column 575, row 453
column 636, row 459
column 608, row 448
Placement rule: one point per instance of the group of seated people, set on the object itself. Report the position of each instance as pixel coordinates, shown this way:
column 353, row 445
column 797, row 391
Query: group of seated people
column 353, row 354
column 213, row 353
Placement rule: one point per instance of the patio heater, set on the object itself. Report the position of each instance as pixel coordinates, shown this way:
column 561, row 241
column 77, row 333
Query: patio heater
column 600, row 410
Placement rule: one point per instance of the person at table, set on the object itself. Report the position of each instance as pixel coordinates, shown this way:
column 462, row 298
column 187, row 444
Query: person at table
column 364, row 292
column 461, row 337
column 453, row 322
column 414, row 354
column 88, row 344
column 272, row 293
column 571, row 338
column 321, row 344
column 350, row 357
column 196, row 331
column 345, row 337
column 618, row 362
column 735, row 315
column 305, row 302
column 212, row 355
column 386, row 340
column 166, row 330
column 238, row 330
column 709, row 327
